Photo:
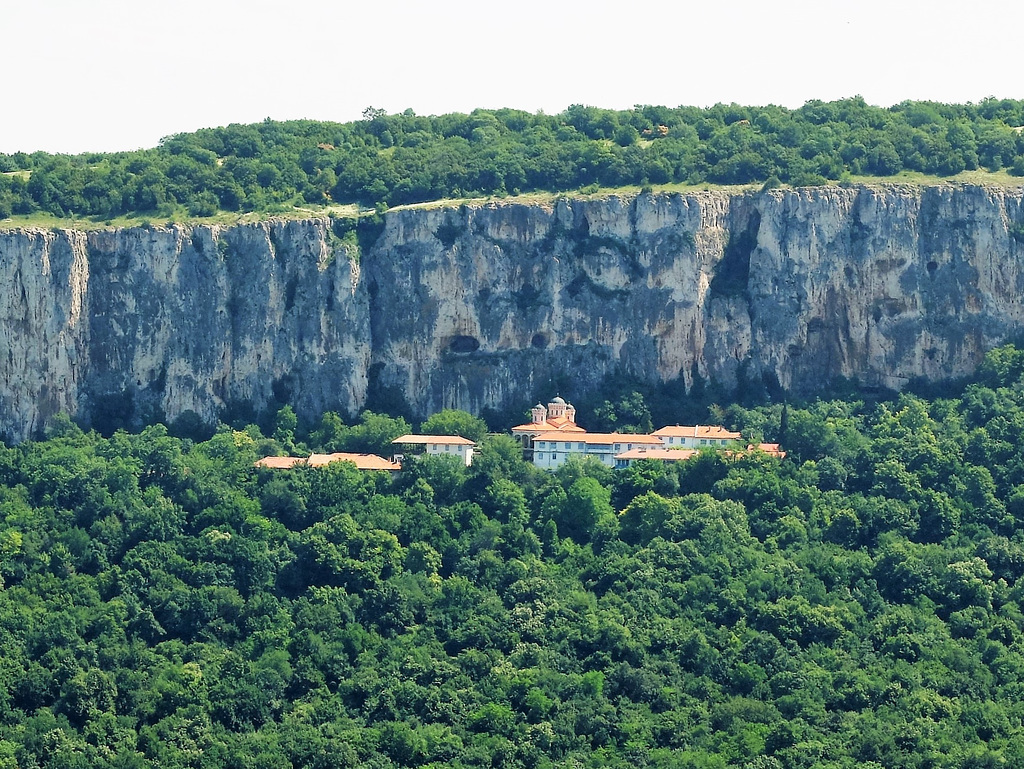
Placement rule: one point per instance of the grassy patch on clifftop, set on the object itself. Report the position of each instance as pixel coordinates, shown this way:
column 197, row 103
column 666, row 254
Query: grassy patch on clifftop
column 46, row 220
column 906, row 178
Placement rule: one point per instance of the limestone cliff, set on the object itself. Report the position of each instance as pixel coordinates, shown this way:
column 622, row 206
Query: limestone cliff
column 140, row 323
column 477, row 306
column 798, row 287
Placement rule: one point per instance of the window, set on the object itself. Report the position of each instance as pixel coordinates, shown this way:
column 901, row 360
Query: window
column 581, row 446
column 568, row 446
column 703, row 442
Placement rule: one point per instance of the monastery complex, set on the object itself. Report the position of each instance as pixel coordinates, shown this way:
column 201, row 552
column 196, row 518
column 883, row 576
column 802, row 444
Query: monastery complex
column 548, row 440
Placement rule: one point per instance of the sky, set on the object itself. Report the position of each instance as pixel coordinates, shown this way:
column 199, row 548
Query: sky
column 110, row 75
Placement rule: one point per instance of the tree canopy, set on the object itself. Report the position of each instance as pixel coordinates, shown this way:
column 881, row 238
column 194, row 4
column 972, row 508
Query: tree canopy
column 455, row 422
column 387, row 160
column 858, row 603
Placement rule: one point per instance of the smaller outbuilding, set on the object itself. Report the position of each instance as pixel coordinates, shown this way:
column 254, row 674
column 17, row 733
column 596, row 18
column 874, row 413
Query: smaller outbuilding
column 361, row 461
column 697, row 436
column 771, row 449
column 280, row 463
column 440, row 445
column 627, row 458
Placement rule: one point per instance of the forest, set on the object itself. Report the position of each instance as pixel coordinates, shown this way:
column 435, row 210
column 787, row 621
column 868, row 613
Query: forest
column 856, row 604
column 387, row 160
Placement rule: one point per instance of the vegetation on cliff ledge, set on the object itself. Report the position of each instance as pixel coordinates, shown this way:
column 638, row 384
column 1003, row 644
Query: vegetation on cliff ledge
column 388, row 160
column 858, row 604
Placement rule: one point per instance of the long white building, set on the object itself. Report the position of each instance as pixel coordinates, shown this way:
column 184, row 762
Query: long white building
column 552, row 449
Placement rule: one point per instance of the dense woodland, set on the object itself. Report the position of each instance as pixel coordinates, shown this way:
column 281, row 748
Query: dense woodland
column 858, row 603
column 386, row 160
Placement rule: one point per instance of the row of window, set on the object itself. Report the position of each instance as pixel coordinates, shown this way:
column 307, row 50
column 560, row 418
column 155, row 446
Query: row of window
column 540, row 458
column 581, row 446
column 568, row 445
column 703, row 441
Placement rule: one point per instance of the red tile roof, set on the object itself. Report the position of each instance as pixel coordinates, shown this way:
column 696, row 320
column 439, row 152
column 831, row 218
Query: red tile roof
column 361, row 461
column 280, row 463
column 697, row 431
column 666, row 455
column 562, row 424
column 771, row 449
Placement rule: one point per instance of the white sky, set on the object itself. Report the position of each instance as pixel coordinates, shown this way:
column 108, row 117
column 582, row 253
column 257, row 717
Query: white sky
column 105, row 75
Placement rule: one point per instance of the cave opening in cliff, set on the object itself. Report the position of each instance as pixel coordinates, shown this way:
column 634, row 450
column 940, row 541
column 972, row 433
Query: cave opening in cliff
column 732, row 273
column 461, row 344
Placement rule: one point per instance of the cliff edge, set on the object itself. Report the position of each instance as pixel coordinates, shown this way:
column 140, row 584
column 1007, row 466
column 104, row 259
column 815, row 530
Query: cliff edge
column 477, row 306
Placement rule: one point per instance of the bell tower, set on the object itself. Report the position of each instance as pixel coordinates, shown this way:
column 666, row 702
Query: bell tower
column 556, row 408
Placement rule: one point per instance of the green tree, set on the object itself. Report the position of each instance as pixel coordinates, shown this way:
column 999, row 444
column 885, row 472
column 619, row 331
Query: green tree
column 587, row 512
column 645, row 516
column 455, row 422
column 373, row 434
column 285, row 424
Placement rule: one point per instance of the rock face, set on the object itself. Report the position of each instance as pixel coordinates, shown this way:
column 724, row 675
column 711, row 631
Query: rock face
column 129, row 325
column 479, row 306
